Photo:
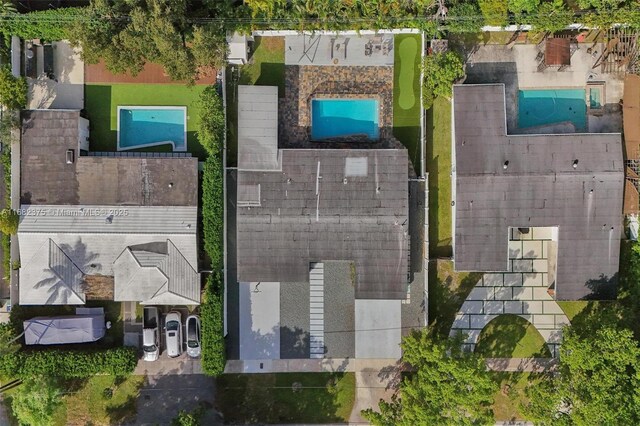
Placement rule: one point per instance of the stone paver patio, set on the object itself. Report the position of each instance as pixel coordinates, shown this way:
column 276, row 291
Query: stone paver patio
column 523, row 290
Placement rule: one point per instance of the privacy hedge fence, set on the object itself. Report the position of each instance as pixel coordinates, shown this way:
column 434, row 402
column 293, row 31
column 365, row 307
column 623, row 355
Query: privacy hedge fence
column 47, row 25
column 212, row 315
column 120, row 361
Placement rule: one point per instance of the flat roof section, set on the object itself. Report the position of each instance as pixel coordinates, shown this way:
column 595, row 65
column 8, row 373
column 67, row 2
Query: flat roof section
column 259, row 320
column 572, row 181
column 257, row 127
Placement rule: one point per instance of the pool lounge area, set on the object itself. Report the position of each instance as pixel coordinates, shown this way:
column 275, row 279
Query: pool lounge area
column 546, row 107
column 147, row 126
column 336, row 118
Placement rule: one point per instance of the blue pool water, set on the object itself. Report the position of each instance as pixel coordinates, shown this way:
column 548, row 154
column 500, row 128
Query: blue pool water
column 540, row 107
column 331, row 118
column 144, row 127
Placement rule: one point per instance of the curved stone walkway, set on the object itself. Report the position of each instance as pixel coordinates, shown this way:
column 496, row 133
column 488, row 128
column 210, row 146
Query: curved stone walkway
column 522, row 291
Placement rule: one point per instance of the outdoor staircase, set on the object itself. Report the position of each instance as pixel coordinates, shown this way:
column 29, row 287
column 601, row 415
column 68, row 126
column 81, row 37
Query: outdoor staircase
column 316, row 309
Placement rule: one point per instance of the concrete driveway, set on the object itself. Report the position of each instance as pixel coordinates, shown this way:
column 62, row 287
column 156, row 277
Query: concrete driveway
column 163, row 396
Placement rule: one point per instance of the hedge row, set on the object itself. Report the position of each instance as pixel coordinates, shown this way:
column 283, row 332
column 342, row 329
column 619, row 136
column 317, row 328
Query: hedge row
column 212, row 315
column 47, row 25
column 119, row 361
column 213, row 211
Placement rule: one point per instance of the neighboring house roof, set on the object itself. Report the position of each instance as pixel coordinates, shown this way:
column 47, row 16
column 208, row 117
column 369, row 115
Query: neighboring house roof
column 91, row 243
column 47, row 178
column 539, row 187
column 327, row 204
column 155, row 273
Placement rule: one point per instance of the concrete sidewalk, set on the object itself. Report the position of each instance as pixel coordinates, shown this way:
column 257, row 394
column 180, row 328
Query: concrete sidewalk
column 533, row 365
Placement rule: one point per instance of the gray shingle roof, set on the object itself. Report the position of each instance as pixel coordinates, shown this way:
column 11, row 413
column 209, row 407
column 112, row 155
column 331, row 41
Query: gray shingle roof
column 539, row 187
column 305, row 216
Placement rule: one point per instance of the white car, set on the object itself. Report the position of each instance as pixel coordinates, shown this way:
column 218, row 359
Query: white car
column 193, row 336
column 151, row 333
column 173, row 330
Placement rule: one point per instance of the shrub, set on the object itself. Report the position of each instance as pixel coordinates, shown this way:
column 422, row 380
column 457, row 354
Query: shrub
column 213, row 211
column 212, row 313
column 47, row 25
column 494, row 12
column 66, row 363
column 35, row 401
column 211, row 121
column 464, row 18
column 551, row 17
column 440, row 70
column 13, row 90
column 9, row 220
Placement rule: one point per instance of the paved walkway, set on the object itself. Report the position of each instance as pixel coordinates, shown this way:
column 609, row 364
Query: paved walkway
column 523, row 290
column 372, row 385
column 325, row 365
column 532, row 365
column 15, row 204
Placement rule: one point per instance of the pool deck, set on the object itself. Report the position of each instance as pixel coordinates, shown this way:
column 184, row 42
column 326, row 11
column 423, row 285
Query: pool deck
column 339, row 50
column 517, row 68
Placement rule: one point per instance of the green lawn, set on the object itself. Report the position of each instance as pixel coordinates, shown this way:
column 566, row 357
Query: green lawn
column 406, row 94
column 447, row 291
column 511, row 394
column 265, row 68
column 100, row 400
column 286, row 397
column 101, row 102
column 438, row 163
column 509, row 336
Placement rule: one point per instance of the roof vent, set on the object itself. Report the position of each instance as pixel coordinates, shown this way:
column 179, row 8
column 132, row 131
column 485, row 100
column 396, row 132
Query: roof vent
column 70, row 156
column 344, row 181
column 109, row 219
column 505, row 165
column 170, row 184
column 575, row 164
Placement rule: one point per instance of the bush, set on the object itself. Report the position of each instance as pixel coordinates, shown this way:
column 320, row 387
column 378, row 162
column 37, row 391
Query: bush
column 464, row 18
column 211, row 121
column 35, row 401
column 65, row 363
column 47, row 25
column 13, row 90
column 440, row 70
column 9, row 220
column 494, row 12
column 212, row 315
column 213, row 211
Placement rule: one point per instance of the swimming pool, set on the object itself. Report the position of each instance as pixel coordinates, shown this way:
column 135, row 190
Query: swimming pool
column 145, row 126
column 540, row 107
column 333, row 118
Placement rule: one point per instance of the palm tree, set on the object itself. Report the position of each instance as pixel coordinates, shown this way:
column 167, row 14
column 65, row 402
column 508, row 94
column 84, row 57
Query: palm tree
column 7, row 8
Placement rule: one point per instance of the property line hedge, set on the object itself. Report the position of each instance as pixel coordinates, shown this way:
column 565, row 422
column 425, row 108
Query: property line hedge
column 212, row 315
column 47, row 25
column 119, row 361
column 213, row 211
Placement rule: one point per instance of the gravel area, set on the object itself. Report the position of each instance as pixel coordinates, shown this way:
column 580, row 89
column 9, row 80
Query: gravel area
column 294, row 320
column 339, row 308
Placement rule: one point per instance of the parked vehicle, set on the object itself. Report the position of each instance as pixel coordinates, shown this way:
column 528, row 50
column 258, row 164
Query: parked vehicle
column 173, row 329
column 193, row 336
column 150, row 333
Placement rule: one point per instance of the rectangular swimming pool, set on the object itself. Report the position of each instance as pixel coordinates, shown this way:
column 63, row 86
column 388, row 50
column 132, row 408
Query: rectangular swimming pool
column 542, row 107
column 145, row 126
column 334, row 118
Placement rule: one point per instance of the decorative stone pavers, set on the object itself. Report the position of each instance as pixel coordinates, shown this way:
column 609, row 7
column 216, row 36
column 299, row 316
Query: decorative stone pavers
column 304, row 83
column 521, row 291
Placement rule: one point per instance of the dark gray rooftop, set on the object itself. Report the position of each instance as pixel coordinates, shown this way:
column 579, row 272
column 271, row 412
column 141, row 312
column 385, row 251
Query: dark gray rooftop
column 327, row 204
column 539, row 187
column 46, row 178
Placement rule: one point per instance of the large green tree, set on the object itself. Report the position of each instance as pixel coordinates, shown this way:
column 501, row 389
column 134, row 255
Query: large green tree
column 446, row 386
column 35, row 401
column 129, row 33
column 13, row 90
column 598, row 381
column 441, row 71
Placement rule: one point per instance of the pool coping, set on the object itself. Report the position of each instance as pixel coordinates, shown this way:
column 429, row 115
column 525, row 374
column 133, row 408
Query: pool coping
column 333, row 98
column 148, row 145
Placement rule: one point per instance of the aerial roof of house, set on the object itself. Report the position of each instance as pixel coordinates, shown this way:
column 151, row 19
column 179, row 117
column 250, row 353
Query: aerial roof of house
column 48, row 178
column 327, row 204
column 62, row 245
column 572, row 181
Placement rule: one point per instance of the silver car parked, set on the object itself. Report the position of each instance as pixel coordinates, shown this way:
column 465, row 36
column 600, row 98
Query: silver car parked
column 193, row 336
column 173, row 330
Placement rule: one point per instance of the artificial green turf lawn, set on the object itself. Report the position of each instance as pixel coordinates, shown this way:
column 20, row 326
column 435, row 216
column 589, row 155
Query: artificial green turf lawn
column 266, row 68
column 101, row 102
column 270, row 398
column 509, row 336
column 406, row 94
column 438, row 164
